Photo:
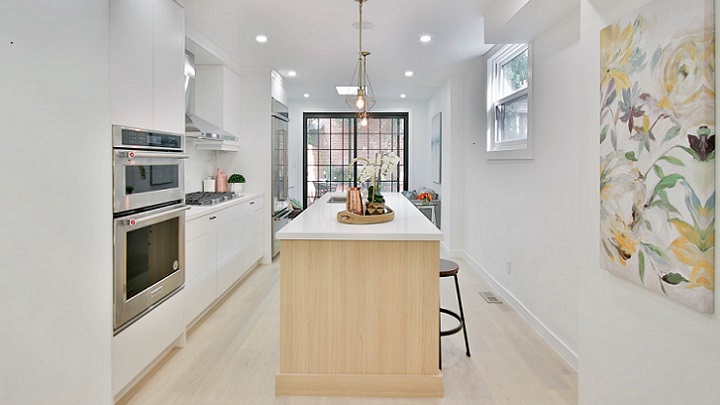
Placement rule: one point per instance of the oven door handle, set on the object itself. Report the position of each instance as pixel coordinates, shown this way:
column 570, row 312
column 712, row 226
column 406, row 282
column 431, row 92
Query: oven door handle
column 152, row 155
column 138, row 221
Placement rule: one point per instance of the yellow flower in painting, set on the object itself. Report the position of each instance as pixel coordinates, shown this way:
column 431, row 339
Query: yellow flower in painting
column 697, row 252
column 685, row 73
column 620, row 54
column 622, row 195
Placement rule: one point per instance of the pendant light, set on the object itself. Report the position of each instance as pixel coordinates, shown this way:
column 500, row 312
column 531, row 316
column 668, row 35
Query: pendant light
column 364, row 99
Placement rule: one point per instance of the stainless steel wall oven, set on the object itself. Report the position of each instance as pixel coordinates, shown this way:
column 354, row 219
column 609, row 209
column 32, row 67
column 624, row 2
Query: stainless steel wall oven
column 149, row 220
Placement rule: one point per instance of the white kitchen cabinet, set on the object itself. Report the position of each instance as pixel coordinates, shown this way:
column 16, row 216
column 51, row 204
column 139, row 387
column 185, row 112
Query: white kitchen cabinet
column 200, row 266
column 147, row 79
column 217, row 96
column 136, row 349
column 220, row 248
column 237, row 230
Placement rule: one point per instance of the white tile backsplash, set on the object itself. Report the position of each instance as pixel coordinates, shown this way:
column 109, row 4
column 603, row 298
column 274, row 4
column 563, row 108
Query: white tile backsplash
column 202, row 163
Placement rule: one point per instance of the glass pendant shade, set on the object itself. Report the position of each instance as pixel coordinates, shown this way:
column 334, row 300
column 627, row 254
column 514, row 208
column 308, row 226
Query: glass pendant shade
column 364, row 98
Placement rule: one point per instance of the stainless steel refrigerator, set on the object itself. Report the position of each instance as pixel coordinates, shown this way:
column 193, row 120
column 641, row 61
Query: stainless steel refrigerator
column 281, row 206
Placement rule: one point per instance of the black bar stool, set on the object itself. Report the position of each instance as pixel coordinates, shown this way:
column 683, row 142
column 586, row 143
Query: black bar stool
column 449, row 268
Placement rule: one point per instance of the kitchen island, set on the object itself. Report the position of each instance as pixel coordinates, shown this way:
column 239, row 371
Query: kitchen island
column 359, row 304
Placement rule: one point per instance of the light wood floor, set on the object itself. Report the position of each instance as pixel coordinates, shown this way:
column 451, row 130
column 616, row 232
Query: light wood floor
column 231, row 356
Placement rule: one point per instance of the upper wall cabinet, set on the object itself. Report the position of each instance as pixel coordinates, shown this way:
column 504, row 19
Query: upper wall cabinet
column 217, row 96
column 147, row 51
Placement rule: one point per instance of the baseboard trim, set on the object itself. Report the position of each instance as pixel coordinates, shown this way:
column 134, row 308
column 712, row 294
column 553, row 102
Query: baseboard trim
column 545, row 333
column 360, row 385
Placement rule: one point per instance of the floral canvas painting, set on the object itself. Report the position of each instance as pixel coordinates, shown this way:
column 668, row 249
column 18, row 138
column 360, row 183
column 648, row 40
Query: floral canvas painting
column 657, row 150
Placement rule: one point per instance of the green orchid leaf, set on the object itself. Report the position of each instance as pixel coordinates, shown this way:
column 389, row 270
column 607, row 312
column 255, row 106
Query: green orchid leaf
column 673, row 160
column 656, row 254
column 672, row 133
column 667, row 182
column 603, row 133
column 658, row 171
column 674, row 279
column 641, row 261
column 692, row 152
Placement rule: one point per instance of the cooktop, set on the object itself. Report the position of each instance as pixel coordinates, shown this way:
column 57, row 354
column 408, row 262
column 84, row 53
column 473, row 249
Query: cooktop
column 207, row 198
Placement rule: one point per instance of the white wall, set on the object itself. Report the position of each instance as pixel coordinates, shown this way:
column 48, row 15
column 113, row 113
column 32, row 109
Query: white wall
column 55, row 177
column 525, row 212
column 636, row 347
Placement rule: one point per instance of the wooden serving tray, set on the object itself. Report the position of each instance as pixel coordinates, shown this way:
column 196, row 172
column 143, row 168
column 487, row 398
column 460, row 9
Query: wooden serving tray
column 347, row 217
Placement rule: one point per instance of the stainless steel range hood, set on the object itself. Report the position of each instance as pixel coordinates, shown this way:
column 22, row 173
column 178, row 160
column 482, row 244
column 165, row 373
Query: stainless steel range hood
column 196, row 127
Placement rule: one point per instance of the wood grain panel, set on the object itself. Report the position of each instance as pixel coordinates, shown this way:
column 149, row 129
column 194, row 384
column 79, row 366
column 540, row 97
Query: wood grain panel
column 366, row 385
column 359, row 308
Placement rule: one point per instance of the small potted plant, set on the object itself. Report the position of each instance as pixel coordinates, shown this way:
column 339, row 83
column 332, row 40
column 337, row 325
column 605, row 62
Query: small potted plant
column 236, row 182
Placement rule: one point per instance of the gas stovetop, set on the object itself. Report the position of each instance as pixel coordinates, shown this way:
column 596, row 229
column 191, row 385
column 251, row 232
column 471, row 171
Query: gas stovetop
column 203, row 198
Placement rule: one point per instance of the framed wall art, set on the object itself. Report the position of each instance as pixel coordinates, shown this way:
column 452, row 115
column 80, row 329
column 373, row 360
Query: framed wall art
column 657, row 150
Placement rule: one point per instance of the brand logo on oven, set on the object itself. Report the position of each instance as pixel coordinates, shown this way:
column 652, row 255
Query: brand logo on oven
column 131, row 155
column 133, row 222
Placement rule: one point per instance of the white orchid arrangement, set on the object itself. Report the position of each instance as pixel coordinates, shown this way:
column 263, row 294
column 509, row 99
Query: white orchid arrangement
column 385, row 164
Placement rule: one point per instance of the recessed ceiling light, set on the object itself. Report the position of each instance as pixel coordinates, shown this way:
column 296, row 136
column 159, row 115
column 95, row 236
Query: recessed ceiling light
column 292, row 73
column 261, row 38
column 403, row 95
column 306, row 95
column 425, row 38
column 409, row 73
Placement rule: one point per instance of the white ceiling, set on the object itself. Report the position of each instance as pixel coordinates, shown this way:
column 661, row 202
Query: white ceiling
column 316, row 39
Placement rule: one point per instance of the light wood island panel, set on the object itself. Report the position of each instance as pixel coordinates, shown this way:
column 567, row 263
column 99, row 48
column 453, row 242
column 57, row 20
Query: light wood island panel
column 359, row 318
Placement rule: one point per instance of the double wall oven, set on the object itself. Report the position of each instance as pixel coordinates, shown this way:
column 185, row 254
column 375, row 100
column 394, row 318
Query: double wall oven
column 149, row 220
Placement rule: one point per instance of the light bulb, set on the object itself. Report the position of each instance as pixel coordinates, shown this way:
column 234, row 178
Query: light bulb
column 360, row 102
column 363, row 121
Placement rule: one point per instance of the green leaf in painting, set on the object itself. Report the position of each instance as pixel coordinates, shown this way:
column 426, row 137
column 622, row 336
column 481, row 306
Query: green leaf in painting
column 657, row 255
column 641, row 261
column 667, row 182
column 674, row 279
column 603, row 133
column 631, row 157
column 672, row 133
column 673, row 160
column 690, row 152
column 658, row 171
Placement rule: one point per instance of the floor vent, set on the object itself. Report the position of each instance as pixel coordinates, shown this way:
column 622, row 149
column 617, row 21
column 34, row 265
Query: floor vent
column 490, row 298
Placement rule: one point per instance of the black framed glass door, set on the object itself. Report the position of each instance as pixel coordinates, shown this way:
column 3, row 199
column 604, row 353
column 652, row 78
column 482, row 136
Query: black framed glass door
column 333, row 140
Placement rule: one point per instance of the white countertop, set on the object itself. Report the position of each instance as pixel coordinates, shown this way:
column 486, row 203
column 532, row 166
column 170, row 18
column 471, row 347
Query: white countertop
column 197, row 211
column 319, row 221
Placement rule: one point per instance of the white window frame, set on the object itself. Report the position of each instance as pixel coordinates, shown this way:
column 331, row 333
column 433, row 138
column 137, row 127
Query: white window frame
column 512, row 149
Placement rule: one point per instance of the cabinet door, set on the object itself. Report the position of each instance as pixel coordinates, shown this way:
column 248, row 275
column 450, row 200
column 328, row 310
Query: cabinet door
column 169, row 66
column 131, row 63
column 200, row 263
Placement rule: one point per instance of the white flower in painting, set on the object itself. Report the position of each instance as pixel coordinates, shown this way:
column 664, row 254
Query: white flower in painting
column 622, row 196
column 685, row 72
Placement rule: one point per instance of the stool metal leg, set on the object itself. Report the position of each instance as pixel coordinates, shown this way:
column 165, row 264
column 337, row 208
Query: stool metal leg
column 462, row 315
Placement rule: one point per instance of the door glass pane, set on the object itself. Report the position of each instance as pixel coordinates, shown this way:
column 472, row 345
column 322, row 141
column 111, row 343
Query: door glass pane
column 333, row 142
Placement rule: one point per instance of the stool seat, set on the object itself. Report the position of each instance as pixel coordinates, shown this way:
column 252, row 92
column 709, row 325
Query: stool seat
column 448, row 268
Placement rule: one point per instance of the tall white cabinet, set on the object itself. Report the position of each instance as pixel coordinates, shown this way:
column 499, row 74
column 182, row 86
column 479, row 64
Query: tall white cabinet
column 147, row 84
column 147, row 48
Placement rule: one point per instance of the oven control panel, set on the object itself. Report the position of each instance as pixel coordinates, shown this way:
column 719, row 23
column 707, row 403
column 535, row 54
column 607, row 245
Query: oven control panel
column 134, row 138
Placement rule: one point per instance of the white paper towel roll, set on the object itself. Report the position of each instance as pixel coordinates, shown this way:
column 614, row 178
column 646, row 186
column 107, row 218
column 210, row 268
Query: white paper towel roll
column 209, row 185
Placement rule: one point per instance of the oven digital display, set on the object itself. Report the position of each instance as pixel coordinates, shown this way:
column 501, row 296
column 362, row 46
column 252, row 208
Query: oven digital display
column 145, row 138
